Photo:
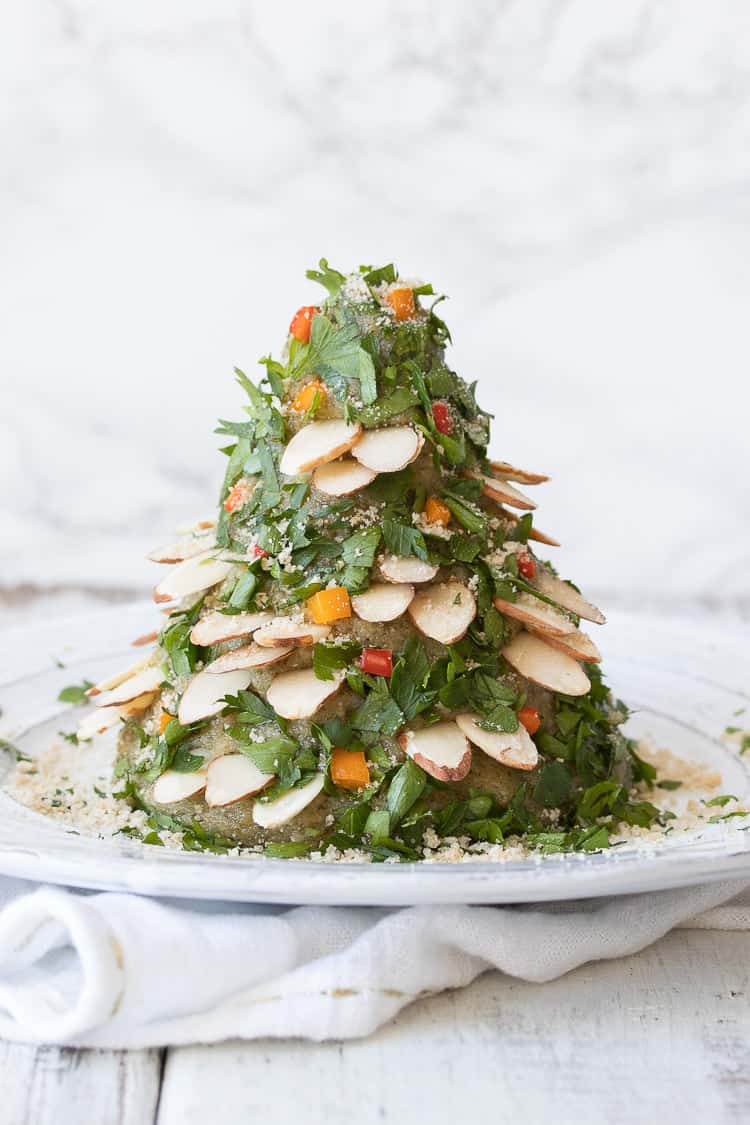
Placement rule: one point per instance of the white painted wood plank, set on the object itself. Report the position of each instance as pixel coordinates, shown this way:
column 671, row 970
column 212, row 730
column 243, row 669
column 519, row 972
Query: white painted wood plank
column 58, row 1086
column 661, row 1036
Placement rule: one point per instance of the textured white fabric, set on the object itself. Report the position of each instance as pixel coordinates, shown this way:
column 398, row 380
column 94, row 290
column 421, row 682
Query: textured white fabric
column 113, row 970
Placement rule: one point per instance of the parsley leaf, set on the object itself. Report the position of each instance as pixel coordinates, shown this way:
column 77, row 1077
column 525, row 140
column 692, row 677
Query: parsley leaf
column 330, row 278
column 402, row 540
column 75, row 693
column 330, row 658
column 361, row 547
column 379, row 713
column 405, row 789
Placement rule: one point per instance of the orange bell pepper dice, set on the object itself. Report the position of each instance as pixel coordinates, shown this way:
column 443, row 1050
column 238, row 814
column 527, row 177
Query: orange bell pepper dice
column 306, row 396
column 349, row 768
column 530, row 718
column 330, row 605
column 436, row 511
column 301, row 324
column 238, row 496
column 401, row 300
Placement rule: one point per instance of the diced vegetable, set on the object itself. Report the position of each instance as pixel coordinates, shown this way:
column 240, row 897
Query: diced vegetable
column 306, row 397
column 330, row 605
column 238, row 496
column 302, row 323
column 442, row 417
column 349, row 768
column 258, row 552
column 530, row 718
column 164, row 718
column 436, row 511
column 377, row 661
column 526, row 566
column 401, row 300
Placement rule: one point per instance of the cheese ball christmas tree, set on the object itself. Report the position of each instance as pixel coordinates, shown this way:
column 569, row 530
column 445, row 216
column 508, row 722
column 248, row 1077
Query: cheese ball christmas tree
column 365, row 649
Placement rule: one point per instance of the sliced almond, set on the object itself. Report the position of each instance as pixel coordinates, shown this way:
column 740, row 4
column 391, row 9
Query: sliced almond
column 299, row 694
column 444, row 612
column 567, row 596
column 395, row 568
column 101, row 719
column 506, row 471
column 390, row 449
column 576, row 644
column 503, row 492
column 173, row 786
column 317, row 443
column 534, row 612
column 342, row 478
column 195, row 525
column 384, row 601
column 185, row 548
column 146, row 680
column 145, row 639
column 542, row 537
column 272, row 814
column 537, row 661
column 288, row 631
column 118, row 677
column 442, row 750
column 535, row 534
column 217, row 627
column 204, row 694
column 191, row 577
column 515, row 749
column 232, row 777
column 249, row 656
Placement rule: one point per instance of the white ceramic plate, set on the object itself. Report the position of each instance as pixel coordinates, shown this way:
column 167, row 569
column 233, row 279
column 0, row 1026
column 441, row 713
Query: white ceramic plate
column 685, row 682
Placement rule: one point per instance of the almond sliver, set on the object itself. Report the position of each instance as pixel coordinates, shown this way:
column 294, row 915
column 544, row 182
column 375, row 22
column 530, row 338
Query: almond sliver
column 342, row 478
column 233, row 777
column 288, row 631
column 185, row 548
column 503, row 492
column 515, row 749
column 567, row 596
column 101, row 719
column 118, row 677
column 506, row 471
column 533, row 611
column 443, row 612
column 300, row 694
column 537, row 661
column 317, row 443
column 383, row 601
column 204, row 695
column 217, row 627
column 442, row 750
column 273, row 814
column 396, row 568
column 248, row 656
column 173, row 786
column 576, row 644
column 148, row 679
column 192, row 577
column 390, row 449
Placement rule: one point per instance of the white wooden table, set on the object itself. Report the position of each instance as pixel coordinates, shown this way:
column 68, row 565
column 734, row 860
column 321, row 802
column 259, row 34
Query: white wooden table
column 660, row 1036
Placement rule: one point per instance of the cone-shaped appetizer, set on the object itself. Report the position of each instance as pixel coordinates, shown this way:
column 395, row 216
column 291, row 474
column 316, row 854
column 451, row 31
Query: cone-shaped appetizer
column 364, row 646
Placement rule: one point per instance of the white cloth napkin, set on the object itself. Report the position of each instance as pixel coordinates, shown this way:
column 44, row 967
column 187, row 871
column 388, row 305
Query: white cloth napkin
column 116, row 970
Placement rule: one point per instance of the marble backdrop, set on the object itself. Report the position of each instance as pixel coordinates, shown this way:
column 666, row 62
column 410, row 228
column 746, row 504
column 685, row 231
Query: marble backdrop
column 574, row 174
